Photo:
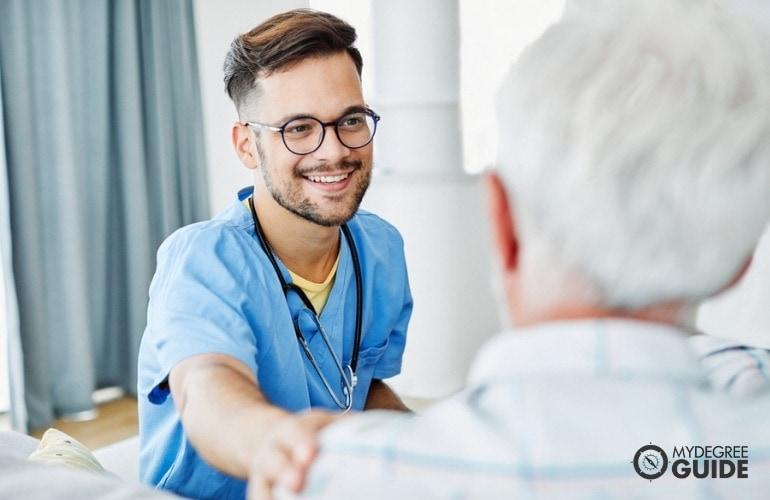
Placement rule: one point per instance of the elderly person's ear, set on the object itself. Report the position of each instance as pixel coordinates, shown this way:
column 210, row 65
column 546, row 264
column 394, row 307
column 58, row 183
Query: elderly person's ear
column 501, row 222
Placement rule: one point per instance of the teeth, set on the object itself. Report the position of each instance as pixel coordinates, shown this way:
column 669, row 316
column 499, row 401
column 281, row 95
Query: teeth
column 327, row 179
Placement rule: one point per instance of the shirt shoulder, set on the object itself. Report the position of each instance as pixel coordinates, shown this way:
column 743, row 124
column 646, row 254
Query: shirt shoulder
column 374, row 232
column 203, row 238
column 500, row 440
column 234, row 221
column 381, row 252
column 233, row 225
column 732, row 366
column 216, row 247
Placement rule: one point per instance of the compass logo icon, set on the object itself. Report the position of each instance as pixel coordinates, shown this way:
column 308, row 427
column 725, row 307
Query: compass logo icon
column 650, row 461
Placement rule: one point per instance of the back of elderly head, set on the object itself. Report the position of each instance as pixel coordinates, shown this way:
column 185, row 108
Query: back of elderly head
column 634, row 154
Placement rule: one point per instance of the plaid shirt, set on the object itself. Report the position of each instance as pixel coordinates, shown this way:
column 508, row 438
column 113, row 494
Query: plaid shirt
column 559, row 411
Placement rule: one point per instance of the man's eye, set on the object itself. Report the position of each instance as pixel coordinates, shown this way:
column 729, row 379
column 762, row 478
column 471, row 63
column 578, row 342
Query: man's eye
column 297, row 129
column 352, row 121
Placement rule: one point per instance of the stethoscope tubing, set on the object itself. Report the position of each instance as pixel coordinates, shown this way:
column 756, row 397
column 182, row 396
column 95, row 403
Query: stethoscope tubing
column 349, row 382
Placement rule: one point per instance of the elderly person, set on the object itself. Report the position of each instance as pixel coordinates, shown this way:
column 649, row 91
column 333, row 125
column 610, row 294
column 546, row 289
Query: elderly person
column 634, row 182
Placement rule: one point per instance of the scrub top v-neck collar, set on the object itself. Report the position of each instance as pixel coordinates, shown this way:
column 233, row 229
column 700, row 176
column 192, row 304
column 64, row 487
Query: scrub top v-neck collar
column 332, row 315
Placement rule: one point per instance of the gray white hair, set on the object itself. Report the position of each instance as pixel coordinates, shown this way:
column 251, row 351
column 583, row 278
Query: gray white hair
column 635, row 145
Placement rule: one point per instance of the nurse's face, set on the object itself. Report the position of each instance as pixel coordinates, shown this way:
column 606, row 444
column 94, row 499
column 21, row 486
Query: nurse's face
column 325, row 186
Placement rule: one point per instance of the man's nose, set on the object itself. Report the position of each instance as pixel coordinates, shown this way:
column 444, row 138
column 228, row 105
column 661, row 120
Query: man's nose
column 331, row 147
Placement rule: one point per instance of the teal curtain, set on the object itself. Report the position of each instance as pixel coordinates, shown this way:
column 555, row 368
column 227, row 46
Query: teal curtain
column 104, row 149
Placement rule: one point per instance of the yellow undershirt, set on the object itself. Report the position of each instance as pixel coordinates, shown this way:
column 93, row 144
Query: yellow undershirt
column 318, row 293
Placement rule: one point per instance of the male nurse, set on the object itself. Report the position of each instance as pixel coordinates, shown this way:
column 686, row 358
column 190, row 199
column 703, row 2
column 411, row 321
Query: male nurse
column 277, row 316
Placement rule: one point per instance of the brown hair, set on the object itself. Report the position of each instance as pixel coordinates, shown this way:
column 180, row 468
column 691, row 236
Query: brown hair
column 281, row 41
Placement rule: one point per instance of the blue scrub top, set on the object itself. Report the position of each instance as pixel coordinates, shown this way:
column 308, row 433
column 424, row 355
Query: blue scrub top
column 215, row 291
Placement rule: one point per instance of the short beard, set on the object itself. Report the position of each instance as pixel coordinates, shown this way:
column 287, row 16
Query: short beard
column 307, row 209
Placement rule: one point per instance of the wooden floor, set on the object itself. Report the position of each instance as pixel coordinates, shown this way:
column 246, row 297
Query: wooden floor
column 117, row 421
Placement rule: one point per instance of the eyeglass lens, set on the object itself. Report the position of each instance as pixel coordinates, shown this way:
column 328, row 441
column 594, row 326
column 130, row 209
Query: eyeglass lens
column 304, row 135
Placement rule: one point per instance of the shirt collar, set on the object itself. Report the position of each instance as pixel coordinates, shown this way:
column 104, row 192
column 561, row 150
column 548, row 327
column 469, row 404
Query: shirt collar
column 595, row 347
column 236, row 213
column 245, row 192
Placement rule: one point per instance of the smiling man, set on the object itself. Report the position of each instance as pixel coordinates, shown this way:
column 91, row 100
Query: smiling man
column 273, row 318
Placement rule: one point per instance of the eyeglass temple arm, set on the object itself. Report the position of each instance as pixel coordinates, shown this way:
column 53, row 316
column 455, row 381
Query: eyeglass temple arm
column 262, row 125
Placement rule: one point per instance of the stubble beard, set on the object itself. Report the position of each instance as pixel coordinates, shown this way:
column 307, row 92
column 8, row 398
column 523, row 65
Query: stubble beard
column 289, row 195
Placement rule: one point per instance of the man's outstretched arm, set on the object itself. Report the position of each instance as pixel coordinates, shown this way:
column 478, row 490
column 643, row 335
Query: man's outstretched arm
column 234, row 428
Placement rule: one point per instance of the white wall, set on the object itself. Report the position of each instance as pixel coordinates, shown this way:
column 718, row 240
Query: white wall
column 216, row 24
column 493, row 34
column 359, row 14
column 743, row 313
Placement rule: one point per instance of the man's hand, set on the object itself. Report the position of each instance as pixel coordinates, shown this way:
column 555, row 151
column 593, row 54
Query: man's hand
column 286, row 453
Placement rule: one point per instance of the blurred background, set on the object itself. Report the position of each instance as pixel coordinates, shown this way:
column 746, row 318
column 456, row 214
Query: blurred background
column 114, row 132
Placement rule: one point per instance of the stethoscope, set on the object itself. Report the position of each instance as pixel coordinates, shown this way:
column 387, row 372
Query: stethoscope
column 348, row 374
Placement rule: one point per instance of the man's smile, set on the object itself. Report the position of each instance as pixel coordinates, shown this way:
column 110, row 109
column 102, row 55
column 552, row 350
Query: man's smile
column 328, row 179
column 329, row 182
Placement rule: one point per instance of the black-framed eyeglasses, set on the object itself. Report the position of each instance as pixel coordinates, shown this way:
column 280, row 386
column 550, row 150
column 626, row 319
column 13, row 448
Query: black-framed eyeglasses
column 303, row 135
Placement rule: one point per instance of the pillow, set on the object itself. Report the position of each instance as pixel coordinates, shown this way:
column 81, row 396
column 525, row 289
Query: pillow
column 57, row 448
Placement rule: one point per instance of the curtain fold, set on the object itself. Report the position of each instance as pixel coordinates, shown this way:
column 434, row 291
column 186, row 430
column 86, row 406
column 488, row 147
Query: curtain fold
column 14, row 365
column 105, row 158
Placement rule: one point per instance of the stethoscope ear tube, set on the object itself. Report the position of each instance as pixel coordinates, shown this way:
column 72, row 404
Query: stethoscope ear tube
column 359, row 298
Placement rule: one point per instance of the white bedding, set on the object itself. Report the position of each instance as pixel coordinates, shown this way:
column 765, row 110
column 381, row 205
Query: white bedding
column 20, row 479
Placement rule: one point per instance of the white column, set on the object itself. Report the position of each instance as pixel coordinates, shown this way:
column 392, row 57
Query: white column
column 420, row 187
column 416, row 58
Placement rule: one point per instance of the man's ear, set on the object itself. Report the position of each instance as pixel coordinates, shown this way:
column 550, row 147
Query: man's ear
column 501, row 222
column 243, row 142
